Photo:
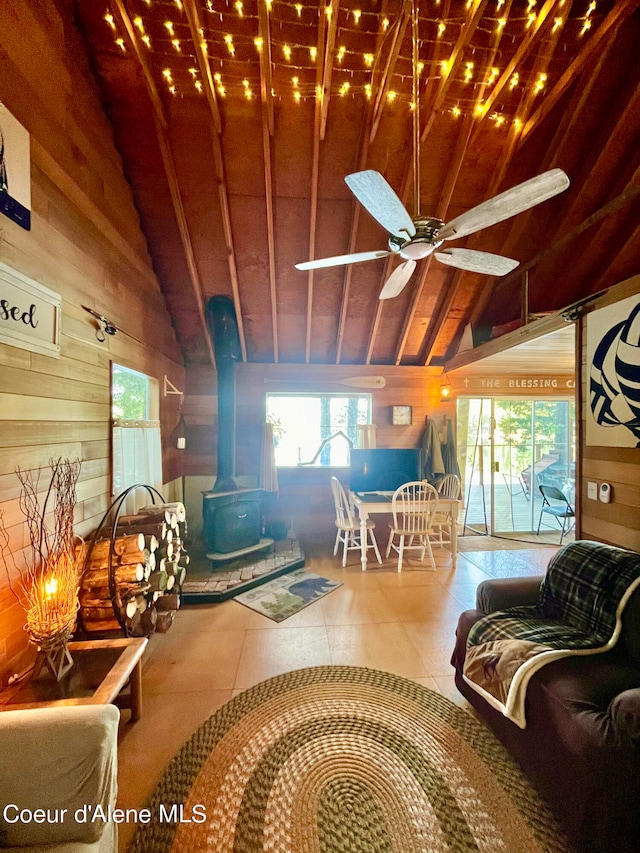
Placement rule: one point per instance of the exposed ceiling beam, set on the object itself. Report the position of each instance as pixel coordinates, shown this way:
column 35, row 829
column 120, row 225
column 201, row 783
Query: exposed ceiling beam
column 271, row 239
column 266, row 80
column 195, row 25
column 161, row 125
column 315, row 172
column 453, row 63
column 625, row 197
column 491, row 58
column 443, row 306
column 325, row 96
column 623, row 242
column 416, row 295
column 223, row 196
column 432, row 83
column 621, row 238
column 366, row 141
column 503, row 162
column 379, row 101
column 391, row 60
column 152, row 89
column 266, row 106
column 523, row 49
column 353, row 235
column 563, row 139
column 631, row 192
column 525, row 106
column 445, row 198
column 605, row 32
column 410, row 184
column 619, row 141
column 377, row 317
column 536, row 329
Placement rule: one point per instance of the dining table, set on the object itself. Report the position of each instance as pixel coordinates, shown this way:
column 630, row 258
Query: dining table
column 380, row 503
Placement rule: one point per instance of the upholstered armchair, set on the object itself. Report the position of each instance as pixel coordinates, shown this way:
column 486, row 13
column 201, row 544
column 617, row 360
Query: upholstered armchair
column 57, row 765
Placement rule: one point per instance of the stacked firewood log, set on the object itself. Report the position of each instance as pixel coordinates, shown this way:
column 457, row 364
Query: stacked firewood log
column 147, row 561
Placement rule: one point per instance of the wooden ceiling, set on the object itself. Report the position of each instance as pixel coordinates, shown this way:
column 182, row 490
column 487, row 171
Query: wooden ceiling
column 238, row 121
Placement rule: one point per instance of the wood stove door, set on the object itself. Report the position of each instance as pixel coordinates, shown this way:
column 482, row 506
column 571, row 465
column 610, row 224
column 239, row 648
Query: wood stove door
column 233, row 525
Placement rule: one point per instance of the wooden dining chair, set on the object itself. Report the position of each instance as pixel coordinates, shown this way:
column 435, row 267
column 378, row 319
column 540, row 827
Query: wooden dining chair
column 348, row 527
column 413, row 507
column 448, row 487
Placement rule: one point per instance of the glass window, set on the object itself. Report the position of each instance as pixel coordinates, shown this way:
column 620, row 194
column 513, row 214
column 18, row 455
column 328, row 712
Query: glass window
column 316, row 429
column 130, row 394
column 136, row 442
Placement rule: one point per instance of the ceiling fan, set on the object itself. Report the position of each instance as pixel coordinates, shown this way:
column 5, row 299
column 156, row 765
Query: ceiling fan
column 417, row 237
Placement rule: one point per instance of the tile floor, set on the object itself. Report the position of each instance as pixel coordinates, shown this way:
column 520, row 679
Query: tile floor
column 403, row 623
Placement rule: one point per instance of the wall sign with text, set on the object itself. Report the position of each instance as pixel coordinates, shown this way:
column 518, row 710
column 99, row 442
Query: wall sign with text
column 29, row 314
column 513, row 384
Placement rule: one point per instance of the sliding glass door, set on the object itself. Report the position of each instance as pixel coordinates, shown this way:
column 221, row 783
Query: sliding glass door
column 508, row 447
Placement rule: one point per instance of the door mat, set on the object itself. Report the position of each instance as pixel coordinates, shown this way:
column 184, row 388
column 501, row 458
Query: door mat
column 509, row 564
column 280, row 598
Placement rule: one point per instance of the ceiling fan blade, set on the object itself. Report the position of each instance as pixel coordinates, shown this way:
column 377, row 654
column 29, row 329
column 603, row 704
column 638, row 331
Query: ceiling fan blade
column 375, row 194
column 483, row 262
column 354, row 258
column 397, row 280
column 507, row 204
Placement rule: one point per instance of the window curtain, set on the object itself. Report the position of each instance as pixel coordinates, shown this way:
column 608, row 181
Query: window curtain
column 268, row 470
column 137, row 458
column 366, row 435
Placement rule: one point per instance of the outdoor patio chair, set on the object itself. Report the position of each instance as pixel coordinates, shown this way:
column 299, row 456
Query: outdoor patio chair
column 556, row 503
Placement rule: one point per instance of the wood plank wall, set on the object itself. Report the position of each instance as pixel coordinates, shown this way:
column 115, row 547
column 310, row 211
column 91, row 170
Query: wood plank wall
column 85, row 244
column 305, row 495
column 618, row 522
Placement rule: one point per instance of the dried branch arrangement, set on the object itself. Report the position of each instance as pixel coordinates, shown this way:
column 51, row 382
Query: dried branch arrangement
column 48, row 585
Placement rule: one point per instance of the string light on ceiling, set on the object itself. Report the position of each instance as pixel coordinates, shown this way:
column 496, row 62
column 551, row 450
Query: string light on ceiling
column 217, row 77
column 228, row 51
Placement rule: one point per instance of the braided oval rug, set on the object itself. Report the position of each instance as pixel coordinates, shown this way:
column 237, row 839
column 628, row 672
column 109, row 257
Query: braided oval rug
column 345, row 760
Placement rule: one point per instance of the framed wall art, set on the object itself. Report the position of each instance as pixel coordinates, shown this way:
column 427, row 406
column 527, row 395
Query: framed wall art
column 613, row 379
column 15, row 170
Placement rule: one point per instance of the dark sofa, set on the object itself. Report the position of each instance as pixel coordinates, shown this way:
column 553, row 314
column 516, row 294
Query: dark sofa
column 581, row 744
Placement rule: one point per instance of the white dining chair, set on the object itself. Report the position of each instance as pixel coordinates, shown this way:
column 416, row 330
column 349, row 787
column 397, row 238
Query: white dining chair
column 348, row 527
column 448, row 487
column 413, row 507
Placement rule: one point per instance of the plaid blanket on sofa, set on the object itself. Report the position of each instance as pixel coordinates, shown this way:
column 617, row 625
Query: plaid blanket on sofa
column 578, row 612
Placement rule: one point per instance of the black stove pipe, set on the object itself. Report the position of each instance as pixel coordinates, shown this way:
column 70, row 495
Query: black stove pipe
column 221, row 320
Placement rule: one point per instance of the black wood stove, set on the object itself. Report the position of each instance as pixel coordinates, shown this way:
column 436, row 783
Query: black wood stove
column 231, row 516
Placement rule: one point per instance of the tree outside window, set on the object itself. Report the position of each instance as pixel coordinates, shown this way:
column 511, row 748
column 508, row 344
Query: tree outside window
column 316, row 429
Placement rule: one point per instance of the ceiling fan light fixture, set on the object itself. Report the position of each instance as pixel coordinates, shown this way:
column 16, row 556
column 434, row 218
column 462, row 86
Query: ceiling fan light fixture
column 417, row 249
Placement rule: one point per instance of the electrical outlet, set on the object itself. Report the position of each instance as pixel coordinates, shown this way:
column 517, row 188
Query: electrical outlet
column 592, row 491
